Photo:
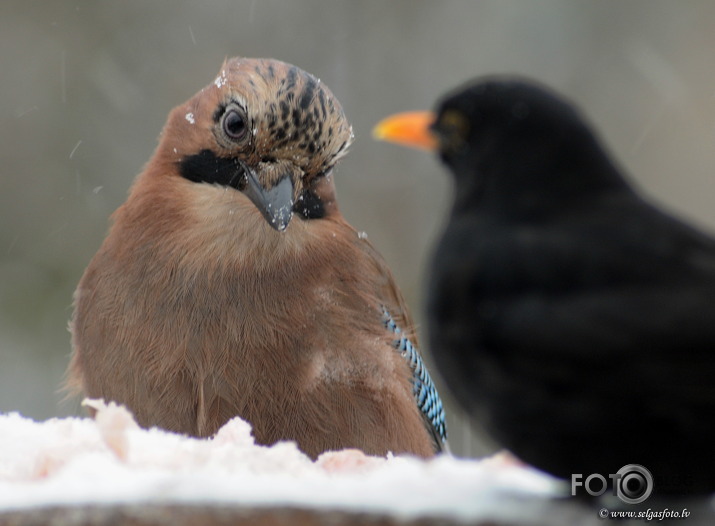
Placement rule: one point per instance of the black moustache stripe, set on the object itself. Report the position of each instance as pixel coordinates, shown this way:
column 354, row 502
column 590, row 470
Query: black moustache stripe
column 207, row 167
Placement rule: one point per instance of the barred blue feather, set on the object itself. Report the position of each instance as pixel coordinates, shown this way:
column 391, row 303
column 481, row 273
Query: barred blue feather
column 423, row 388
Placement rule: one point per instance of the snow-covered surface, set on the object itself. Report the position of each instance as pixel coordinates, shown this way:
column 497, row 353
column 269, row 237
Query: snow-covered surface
column 111, row 460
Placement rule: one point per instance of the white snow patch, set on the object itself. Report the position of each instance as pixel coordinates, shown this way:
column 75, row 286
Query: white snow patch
column 190, row 117
column 111, row 460
column 221, row 80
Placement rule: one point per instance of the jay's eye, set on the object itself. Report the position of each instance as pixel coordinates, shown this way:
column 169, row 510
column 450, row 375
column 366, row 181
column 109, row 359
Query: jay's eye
column 234, row 125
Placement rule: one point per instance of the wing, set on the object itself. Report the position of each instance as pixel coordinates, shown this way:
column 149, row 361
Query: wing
column 398, row 322
column 424, row 390
column 579, row 306
column 627, row 278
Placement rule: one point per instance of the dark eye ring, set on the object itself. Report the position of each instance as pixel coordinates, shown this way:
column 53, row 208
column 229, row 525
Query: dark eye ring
column 234, row 125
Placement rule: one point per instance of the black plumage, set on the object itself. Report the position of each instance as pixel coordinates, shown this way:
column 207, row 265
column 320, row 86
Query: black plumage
column 574, row 320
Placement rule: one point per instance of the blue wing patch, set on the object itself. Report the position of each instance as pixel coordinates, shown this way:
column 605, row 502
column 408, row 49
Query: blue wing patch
column 423, row 388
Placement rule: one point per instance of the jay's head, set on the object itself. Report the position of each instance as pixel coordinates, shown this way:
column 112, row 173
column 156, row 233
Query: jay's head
column 265, row 129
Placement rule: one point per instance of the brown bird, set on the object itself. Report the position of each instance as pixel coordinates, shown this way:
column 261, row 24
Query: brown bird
column 231, row 285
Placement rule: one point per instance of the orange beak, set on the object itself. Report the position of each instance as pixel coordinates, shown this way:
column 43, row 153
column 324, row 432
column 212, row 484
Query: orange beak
column 409, row 129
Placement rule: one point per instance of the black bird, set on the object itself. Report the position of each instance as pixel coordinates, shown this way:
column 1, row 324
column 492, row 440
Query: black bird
column 573, row 320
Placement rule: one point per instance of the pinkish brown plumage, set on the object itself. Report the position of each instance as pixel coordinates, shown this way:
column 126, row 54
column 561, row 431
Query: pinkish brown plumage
column 230, row 284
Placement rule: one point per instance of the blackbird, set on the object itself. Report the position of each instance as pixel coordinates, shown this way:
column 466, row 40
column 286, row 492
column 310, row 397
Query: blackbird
column 573, row 319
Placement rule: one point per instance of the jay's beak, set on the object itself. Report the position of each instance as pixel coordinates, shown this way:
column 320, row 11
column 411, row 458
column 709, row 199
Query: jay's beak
column 276, row 203
column 409, row 129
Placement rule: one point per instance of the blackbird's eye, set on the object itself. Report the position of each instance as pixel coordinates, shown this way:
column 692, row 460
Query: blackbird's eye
column 234, row 125
column 452, row 130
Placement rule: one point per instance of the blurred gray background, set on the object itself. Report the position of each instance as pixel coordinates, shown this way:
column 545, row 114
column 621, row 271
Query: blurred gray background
column 86, row 87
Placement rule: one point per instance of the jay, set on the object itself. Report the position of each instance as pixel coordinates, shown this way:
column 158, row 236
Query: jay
column 230, row 284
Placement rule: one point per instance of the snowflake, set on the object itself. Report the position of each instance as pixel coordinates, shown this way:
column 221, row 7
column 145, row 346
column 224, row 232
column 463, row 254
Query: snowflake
column 221, row 80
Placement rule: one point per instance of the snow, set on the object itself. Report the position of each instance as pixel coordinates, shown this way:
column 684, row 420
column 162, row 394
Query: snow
column 75, row 148
column 221, row 80
column 190, row 117
column 111, row 460
column 193, row 39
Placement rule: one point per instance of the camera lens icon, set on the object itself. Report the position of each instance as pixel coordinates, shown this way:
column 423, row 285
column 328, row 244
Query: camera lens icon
column 635, row 484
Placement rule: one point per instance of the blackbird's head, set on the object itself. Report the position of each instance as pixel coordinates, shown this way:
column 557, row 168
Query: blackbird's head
column 492, row 124
column 506, row 139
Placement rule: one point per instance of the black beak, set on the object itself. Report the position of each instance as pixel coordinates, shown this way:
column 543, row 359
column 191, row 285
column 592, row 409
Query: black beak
column 276, row 203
